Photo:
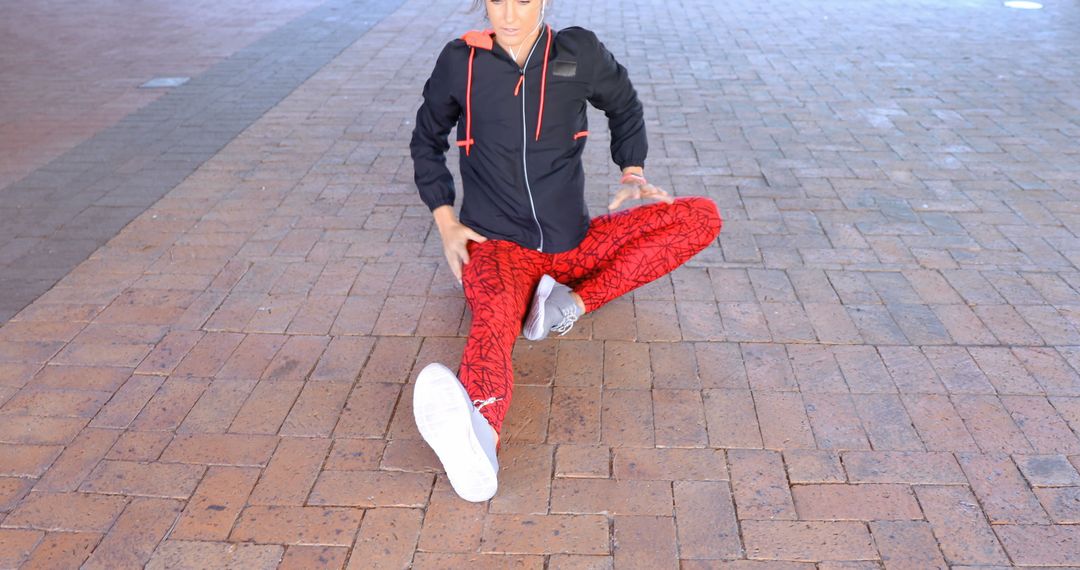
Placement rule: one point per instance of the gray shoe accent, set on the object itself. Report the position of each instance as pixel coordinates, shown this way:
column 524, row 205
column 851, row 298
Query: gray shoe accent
column 560, row 310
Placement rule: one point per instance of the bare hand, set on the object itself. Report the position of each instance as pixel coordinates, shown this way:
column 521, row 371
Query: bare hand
column 639, row 192
column 455, row 238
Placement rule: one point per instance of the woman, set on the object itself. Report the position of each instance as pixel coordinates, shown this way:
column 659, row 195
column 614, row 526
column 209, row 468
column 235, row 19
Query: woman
column 525, row 248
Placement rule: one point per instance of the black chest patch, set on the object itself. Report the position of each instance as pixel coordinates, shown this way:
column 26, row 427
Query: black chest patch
column 564, row 68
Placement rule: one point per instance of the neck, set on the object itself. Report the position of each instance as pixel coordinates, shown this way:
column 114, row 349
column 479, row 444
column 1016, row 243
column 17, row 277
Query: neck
column 520, row 52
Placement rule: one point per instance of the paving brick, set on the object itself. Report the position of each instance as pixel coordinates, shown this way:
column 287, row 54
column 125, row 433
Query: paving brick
column 679, row 418
column 535, row 362
column 343, row 359
column 55, row 403
column 855, row 502
column 1047, row 470
column 208, row 355
column 62, row 550
column 391, row 360
column 886, row 422
column 835, row 422
column 863, row 370
column 27, row 460
column 133, row 538
column 813, row 466
column 960, row 526
column 291, row 472
column 626, row 365
column 298, row 557
column 266, row 407
column 588, row 461
column 673, row 366
column 12, row 490
column 706, row 525
column 575, row 415
column 907, row 544
column 744, row 322
column 450, row 524
column 669, row 464
column 815, row 368
column 16, row 545
column 614, row 497
column 66, row 512
column 760, row 485
column 720, row 365
column 808, row 541
column 783, row 421
column 35, row 430
column 1004, row 371
column 546, row 534
column 1061, row 503
column 143, row 479
column 127, row 402
column 579, row 363
column 370, row 489
column 367, row 411
column 1039, row 421
column 328, row 526
column 77, row 460
column 731, row 418
column 216, row 503
column 409, row 455
column 524, row 479
column 991, row 424
column 1041, row 545
column 168, row 353
column 387, row 538
column 767, row 367
column 645, row 542
column 296, row 359
column 627, row 418
column 217, row 407
column 434, row 560
column 910, row 467
column 1002, row 491
column 180, row 553
column 170, row 405
column 316, row 410
column 1051, row 371
column 939, row 425
column 220, row 449
column 910, row 370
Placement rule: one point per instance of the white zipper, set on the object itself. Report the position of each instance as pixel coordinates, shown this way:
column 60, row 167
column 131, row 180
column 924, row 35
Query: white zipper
column 524, row 144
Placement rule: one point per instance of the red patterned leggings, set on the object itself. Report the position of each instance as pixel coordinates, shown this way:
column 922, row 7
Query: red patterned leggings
column 621, row 251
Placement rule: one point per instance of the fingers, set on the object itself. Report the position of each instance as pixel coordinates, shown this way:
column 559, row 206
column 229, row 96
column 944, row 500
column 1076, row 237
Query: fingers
column 657, row 194
column 476, row 237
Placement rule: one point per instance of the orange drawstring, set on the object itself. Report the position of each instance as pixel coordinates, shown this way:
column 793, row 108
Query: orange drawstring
column 543, row 84
column 468, row 142
column 517, row 89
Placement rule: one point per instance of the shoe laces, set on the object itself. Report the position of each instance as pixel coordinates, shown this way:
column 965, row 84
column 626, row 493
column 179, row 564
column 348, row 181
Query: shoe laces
column 569, row 318
column 481, row 403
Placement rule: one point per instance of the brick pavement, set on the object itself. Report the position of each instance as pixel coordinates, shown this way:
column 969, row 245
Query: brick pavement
column 877, row 366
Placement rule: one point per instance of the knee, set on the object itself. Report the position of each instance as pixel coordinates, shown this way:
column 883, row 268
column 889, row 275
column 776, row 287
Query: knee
column 705, row 217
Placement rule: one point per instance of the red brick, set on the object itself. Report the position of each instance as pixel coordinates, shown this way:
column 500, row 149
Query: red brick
column 66, row 511
column 297, row 525
column 266, row 408
column 343, row 359
column 744, row 322
column 679, row 418
column 305, row 557
column 1031, row 545
column 62, row 550
column 960, row 526
column 615, row 321
column 831, row 323
column 863, row 369
column 813, row 466
column 368, row 410
column 575, row 415
column 168, row 353
column 450, row 524
column 1050, row 369
column 441, row 317
column 439, row 560
column 748, row 565
column 35, row 430
column 767, row 367
column 579, row 363
column 911, row 371
column 220, row 449
column 355, row 455
column 1047, row 470
column 731, row 419
column 835, row 423
column 731, row 284
column 217, row 407
column 788, row 322
column 808, row 541
column 524, row 479
column 645, row 542
column 56, row 403
column 586, row 461
column 963, row 325
column 16, row 545
column 183, row 554
column 316, row 411
column 16, row 375
column 358, row 315
column 77, row 461
column 170, row 405
column 855, row 502
column 371, row 489
column 27, row 460
column 251, row 357
column 907, row 544
column 886, row 422
column 991, row 425
column 527, row 421
column 1062, row 503
column 12, row 490
column 1001, row 489
column 136, row 533
column 274, row 313
column 939, row 425
column 387, row 538
column 208, row 355
column 627, row 418
column 31, row 352
column 1004, row 371
column 760, row 485
column 391, row 360
column 720, row 365
column 783, row 420
column 291, row 472
column 127, row 402
column 706, row 520
column 546, row 534
column 1041, row 424
column 127, row 355
column 669, row 464
column 656, row 320
column 95, row 378
column 910, row 467
column 296, row 359
column 142, row 446
column 816, row 369
column 673, row 366
column 1006, row 324
column 588, row 496
column 143, row 479
column 217, row 501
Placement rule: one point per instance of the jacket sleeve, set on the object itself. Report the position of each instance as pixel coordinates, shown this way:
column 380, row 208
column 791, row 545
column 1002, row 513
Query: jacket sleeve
column 613, row 93
column 437, row 115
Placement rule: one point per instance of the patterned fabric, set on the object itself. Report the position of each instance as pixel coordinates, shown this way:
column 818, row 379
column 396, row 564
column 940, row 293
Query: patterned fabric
column 622, row 251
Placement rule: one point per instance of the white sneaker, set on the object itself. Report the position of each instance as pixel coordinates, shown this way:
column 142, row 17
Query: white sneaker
column 553, row 309
column 458, row 433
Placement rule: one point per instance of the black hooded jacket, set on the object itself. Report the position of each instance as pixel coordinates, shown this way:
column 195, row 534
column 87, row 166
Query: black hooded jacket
column 521, row 132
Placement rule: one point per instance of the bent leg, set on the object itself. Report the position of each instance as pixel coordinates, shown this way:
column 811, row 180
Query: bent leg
column 498, row 282
column 628, row 249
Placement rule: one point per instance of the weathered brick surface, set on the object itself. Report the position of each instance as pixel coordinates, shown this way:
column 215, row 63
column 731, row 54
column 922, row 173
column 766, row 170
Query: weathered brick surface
column 875, row 366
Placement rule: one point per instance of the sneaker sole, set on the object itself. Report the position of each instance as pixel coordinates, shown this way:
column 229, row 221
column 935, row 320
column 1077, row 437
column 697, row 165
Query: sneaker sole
column 534, row 324
column 443, row 413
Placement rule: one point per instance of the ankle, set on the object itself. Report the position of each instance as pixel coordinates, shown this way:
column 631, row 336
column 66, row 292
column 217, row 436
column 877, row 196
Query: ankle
column 577, row 299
